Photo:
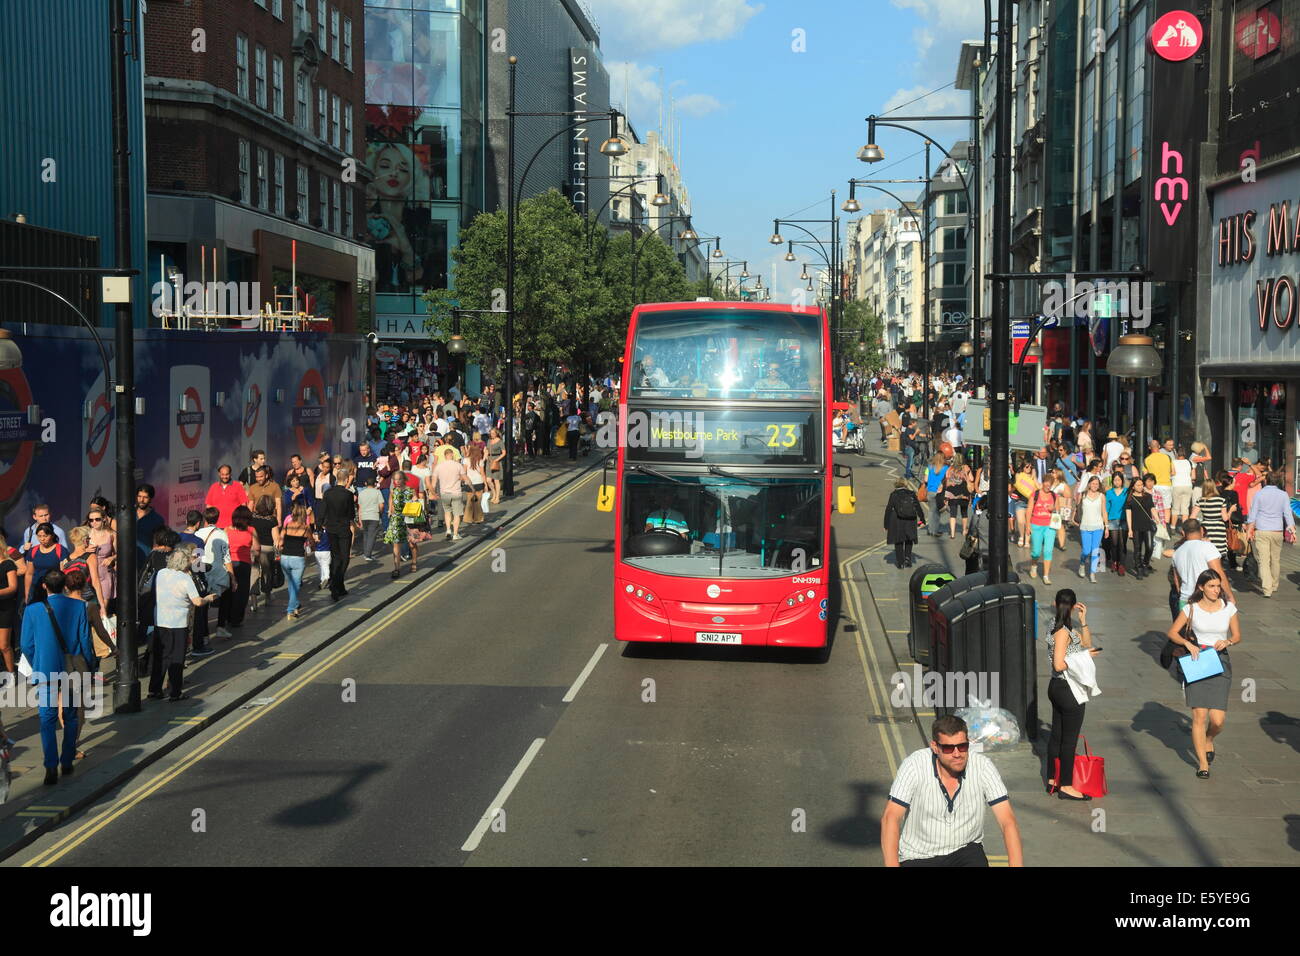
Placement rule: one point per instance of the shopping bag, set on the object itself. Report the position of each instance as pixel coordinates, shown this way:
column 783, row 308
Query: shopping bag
column 487, row 500
column 1089, row 773
column 413, row 512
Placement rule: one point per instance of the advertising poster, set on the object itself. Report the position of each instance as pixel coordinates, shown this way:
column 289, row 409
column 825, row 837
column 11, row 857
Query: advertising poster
column 273, row 391
column 189, row 456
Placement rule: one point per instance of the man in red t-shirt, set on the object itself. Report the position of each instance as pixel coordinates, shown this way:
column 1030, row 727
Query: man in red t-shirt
column 225, row 495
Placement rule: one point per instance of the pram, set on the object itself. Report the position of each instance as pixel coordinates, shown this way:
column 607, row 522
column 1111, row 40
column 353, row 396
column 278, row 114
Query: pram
column 852, row 437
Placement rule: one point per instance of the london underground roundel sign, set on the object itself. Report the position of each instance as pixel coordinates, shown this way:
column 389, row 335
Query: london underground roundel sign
column 1176, row 36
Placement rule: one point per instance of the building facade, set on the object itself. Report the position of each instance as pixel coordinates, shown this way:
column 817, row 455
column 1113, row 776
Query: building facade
column 948, row 220
column 560, row 69
column 56, row 167
column 883, row 269
column 425, row 117
column 255, row 152
column 1245, row 398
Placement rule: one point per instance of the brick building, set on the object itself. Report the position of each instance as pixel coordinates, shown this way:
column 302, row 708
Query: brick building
column 253, row 113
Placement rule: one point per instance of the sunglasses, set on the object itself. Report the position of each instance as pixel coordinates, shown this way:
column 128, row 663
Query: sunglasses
column 96, row 519
column 960, row 748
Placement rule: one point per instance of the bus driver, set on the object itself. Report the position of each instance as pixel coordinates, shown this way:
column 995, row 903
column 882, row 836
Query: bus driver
column 666, row 519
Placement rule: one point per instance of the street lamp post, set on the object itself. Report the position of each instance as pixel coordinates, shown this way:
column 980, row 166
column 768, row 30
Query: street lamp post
column 613, row 146
column 832, row 265
column 126, row 694
column 999, row 415
column 871, row 153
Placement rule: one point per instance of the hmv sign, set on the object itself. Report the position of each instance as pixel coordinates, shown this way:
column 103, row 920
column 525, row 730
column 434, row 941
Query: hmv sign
column 1174, row 132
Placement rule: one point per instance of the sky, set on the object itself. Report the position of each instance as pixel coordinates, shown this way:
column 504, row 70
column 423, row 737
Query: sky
column 772, row 98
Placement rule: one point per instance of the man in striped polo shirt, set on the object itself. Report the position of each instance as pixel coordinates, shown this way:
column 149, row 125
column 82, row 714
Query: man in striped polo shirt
column 942, row 791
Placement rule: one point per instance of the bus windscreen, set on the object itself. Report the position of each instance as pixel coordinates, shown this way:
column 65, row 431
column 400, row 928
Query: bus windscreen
column 721, row 525
column 727, row 354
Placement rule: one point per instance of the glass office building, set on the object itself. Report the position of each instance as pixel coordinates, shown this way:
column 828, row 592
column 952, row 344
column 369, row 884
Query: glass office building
column 424, row 134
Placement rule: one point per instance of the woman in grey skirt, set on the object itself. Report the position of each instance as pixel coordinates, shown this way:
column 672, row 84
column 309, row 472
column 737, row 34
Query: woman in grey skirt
column 1214, row 624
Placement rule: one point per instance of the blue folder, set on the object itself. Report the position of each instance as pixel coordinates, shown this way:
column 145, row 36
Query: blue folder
column 1207, row 665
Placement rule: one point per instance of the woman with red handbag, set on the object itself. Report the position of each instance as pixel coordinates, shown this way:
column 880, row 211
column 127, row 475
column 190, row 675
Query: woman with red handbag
column 1067, row 711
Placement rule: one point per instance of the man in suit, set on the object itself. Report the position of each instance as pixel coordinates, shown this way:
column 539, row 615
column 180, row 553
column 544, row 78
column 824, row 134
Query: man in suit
column 43, row 648
column 340, row 512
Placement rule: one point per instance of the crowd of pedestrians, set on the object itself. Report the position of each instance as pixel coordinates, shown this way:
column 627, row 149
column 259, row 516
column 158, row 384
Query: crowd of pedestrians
column 1095, row 505
column 428, row 465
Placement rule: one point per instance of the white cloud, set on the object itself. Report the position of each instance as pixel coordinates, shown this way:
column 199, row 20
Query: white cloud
column 697, row 104
column 642, row 94
column 639, row 26
column 942, row 26
column 958, row 15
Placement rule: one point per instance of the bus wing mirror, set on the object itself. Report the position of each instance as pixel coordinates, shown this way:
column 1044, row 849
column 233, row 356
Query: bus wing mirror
column 605, row 498
column 845, row 503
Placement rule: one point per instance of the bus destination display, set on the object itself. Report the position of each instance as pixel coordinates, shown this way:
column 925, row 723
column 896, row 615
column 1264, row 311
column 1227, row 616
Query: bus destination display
column 721, row 436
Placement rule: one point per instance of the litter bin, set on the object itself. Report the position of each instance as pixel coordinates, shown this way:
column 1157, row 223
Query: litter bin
column 983, row 646
column 925, row 580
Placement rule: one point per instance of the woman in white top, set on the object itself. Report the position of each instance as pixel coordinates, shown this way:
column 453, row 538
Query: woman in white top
column 1214, row 625
column 1182, row 486
column 1091, row 520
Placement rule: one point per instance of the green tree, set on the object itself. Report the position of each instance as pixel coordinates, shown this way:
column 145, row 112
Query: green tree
column 573, row 286
column 859, row 318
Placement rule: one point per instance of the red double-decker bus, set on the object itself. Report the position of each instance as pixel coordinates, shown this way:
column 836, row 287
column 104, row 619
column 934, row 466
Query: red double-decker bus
column 722, row 491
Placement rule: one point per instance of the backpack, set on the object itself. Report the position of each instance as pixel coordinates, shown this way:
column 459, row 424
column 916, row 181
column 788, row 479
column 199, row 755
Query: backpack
column 906, row 508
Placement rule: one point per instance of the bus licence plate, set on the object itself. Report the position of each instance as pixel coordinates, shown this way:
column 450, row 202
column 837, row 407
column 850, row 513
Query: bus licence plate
column 715, row 637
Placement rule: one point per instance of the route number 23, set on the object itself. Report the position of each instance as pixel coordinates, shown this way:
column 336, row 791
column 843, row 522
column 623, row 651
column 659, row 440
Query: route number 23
column 775, row 439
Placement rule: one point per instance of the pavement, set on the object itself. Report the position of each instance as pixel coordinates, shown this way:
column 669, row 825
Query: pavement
column 493, row 720
column 1157, row 812
column 488, row 718
column 266, row 650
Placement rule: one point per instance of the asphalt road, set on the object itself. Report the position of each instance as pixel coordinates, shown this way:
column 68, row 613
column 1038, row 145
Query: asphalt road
column 741, row 757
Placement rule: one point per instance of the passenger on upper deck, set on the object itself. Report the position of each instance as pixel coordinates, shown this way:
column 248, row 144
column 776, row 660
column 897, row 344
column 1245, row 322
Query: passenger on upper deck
column 648, row 374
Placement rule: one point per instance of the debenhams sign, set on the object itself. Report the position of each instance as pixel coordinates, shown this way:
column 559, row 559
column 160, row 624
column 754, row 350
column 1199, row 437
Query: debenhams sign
column 578, row 70
column 1255, row 269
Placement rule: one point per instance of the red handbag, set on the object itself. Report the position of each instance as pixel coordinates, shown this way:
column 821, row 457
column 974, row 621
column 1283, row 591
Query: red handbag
column 1089, row 773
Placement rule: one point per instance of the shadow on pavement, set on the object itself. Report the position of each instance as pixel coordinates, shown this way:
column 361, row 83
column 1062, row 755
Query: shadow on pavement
column 1152, row 643
column 331, row 808
column 860, row 828
column 1281, row 728
column 1293, row 830
column 1171, row 727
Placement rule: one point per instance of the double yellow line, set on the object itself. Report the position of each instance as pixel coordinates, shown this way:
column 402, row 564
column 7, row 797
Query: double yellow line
column 877, row 681
column 373, row 630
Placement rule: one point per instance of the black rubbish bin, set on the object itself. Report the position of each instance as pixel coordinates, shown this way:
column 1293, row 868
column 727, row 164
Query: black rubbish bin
column 925, row 580
column 938, row 598
column 983, row 646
